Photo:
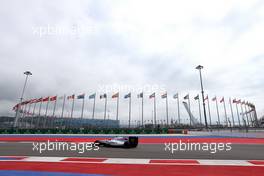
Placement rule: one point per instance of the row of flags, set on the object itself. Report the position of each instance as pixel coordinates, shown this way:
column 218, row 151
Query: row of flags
column 128, row 96
column 116, row 95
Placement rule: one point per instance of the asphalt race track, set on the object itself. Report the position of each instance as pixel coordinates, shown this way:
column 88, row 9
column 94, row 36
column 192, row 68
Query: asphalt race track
column 150, row 151
column 151, row 157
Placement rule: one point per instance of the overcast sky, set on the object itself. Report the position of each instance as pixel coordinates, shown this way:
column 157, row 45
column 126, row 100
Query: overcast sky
column 75, row 47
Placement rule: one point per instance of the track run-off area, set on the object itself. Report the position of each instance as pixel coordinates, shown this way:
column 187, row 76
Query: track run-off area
column 153, row 156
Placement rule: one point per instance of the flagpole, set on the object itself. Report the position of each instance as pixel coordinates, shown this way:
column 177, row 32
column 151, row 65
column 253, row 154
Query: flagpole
column 209, row 110
column 242, row 113
column 129, row 111
column 142, row 110
column 105, row 108
column 53, row 113
column 200, row 110
column 62, row 110
column 238, row 116
column 39, row 113
column 20, row 116
column 33, row 113
column 246, row 114
column 45, row 118
column 155, row 123
column 82, row 108
column 232, row 114
column 178, row 104
column 117, row 106
column 54, row 108
column 167, row 111
column 47, row 106
column 252, row 116
column 29, row 108
column 34, row 107
column 152, row 117
column 72, row 107
column 71, row 117
column 249, row 115
column 189, row 109
column 225, row 113
column 255, row 116
column 253, row 119
column 217, row 110
column 23, row 115
column 93, row 108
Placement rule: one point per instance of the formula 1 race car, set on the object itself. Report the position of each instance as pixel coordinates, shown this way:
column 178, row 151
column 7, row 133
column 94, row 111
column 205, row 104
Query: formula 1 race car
column 126, row 142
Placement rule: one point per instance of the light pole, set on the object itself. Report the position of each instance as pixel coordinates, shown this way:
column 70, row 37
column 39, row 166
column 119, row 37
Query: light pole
column 199, row 67
column 27, row 73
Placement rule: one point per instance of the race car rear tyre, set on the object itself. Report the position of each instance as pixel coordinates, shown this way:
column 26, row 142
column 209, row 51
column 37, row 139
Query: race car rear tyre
column 126, row 145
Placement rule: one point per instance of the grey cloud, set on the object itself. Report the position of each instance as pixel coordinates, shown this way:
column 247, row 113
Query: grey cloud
column 67, row 64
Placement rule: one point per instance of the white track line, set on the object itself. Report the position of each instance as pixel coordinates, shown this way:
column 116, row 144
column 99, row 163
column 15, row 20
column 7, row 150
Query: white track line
column 43, row 159
column 127, row 161
column 225, row 162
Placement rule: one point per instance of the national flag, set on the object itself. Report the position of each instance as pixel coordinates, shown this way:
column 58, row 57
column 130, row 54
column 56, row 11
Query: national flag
column 175, row 95
column 103, row 96
column 45, row 99
column 186, row 97
column 54, row 98
column 39, row 100
column 25, row 102
column 214, row 99
column 197, row 97
column 152, row 95
column 164, row 95
column 70, row 97
column 206, row 98
column 222, row 100
column 33, row 101
column 116, row 95
column 81, row 96
column 92, row 96
column 140, row 95
column 29, row 101
column 128, row 95
column 15, row 107
column 252, row 105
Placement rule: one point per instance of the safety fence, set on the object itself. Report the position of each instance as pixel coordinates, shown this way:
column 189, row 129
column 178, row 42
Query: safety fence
column 89, row 131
